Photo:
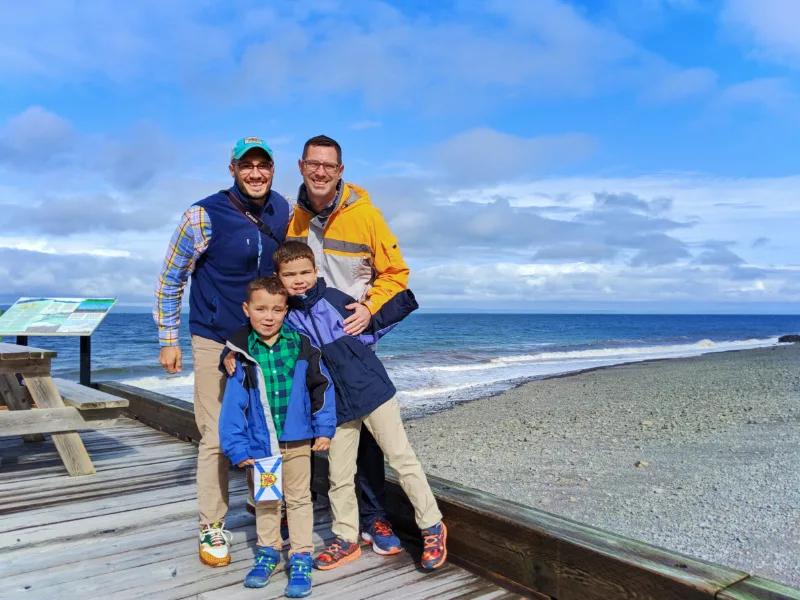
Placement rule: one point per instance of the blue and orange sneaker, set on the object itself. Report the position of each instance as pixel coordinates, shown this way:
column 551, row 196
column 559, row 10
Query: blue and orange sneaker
column 338, row 553
column 299, row 585
column 434, row 551
column 384, row 542
column 266, row 560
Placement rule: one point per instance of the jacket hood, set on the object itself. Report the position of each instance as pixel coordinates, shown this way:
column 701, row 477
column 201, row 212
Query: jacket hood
column 313, row 295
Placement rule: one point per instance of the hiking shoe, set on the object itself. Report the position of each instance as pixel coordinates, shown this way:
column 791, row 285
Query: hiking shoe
column 214, row 541
column 266, row 560
column 338, row 553
column 434, row 551
column 299, row 585
column 384, row 542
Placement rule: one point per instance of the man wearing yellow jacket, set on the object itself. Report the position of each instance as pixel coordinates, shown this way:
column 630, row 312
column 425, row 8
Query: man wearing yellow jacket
column 355, row 252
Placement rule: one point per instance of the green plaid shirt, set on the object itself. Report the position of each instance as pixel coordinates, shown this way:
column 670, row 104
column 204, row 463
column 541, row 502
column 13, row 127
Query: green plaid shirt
column 277, row 364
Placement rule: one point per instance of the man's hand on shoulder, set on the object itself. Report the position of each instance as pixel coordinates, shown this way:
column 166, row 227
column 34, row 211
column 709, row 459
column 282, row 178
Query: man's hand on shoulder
column 358, row 321
column 171, row 359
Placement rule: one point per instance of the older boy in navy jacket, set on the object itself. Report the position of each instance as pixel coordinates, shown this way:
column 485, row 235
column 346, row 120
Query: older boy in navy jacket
column 277, row 398
column 364, row 394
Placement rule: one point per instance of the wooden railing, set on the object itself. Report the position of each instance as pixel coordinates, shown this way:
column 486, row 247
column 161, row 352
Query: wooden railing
column 530, row 551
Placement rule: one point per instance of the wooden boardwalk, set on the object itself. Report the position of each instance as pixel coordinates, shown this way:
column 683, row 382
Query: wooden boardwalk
column 130, row 531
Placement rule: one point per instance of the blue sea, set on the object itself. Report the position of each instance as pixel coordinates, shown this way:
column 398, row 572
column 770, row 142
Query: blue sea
column 439, row 359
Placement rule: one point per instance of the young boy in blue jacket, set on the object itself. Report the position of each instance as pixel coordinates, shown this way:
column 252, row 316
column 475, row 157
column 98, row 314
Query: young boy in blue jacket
column 278, row 398
column 364, row 394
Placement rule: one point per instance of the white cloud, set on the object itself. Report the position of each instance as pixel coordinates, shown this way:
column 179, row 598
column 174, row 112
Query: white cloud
column 681, row 84
column 542, row 48
column 486, row 155
column 769, row 26
column 772, row 92
column 544, row 286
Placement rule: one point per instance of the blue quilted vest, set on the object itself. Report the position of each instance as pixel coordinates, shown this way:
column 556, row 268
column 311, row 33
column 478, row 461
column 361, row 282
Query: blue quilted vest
column 237, row 253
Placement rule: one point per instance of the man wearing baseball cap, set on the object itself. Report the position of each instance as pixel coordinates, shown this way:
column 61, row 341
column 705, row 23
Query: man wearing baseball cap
column 224, row 242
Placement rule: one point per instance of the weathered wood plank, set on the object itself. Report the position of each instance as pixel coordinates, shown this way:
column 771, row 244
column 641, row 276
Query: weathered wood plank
column 161, row 412
column 69, row 445
column 94, row 553
column 15, row 351
column 17, row 397
column 86, row 398
column 756, row 588
column 33, row 366
column 85, row 546
column 41, row 420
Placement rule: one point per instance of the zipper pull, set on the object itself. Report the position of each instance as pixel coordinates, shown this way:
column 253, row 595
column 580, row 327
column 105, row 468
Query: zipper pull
column 248, row 241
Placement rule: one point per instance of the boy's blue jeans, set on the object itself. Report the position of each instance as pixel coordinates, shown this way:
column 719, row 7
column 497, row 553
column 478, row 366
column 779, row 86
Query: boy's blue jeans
column 371, row 479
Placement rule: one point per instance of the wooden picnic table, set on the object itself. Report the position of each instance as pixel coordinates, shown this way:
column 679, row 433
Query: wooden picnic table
column 40, row 404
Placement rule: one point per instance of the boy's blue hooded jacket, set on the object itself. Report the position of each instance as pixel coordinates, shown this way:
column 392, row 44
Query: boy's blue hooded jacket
column 246, row 428
column 361, row 381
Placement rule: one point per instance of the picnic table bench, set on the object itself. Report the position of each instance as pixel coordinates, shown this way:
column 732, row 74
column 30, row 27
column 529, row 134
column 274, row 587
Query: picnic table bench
column 62, row 407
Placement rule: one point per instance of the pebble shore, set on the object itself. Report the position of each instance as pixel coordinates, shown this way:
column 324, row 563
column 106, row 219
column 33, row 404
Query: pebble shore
column 698, row 455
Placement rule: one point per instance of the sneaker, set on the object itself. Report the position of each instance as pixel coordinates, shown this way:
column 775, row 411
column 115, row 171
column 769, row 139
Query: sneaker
column 384, row 542
column 299, row 585
column 434, row 552
column 266, row 560
column 338, row 553
column 214, row 541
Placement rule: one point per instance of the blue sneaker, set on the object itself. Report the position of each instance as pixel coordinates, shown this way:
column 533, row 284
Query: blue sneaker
column 434, row 551
column 384, row 542
column 266, row 561
column 299, row 585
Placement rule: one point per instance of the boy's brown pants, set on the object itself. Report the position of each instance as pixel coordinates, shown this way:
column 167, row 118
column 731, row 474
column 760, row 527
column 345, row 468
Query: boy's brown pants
column 297, row 494
column 385, row 424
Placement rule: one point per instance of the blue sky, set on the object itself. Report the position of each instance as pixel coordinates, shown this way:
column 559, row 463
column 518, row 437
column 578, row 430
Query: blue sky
column 543, row 155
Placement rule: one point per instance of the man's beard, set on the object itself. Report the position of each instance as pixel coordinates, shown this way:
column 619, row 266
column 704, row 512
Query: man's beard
column 243, row 189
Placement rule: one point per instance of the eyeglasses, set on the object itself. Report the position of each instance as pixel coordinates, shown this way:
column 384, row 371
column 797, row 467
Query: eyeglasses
column 312, row 165
column 247, row 168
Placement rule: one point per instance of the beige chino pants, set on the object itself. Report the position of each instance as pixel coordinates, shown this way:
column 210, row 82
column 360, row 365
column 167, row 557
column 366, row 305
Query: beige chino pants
column 386, row 426
column 296, row 494
column 212, row 464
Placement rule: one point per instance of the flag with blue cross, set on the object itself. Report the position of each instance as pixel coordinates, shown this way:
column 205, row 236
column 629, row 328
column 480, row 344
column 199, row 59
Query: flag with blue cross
column 268, row 479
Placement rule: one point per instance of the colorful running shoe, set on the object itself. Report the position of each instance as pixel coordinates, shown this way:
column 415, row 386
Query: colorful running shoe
column 384, row 542
column 266, row 560
column 214, row 541
column 337, row 554
column 434, row 551
column 299, row 585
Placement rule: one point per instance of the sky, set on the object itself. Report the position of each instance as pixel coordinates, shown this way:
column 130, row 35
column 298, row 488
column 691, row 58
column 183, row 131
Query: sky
column 545, row 155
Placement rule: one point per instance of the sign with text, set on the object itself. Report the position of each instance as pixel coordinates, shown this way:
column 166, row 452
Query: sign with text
column 54, row 316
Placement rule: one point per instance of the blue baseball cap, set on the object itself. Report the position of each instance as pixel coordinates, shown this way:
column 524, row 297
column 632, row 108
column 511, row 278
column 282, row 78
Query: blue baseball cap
column 248, row 143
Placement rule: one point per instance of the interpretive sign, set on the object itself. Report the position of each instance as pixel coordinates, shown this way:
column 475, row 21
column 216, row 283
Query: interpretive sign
column 54, row 316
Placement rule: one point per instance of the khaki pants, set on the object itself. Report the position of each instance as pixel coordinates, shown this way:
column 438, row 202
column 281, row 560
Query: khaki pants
column 296, row 494
column 212, row 464
column 385, row 425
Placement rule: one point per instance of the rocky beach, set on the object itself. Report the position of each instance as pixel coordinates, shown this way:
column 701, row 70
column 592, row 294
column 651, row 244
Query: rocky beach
column 698, row 455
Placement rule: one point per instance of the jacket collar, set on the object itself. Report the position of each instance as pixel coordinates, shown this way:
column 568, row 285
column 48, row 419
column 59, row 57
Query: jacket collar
column 312, row 296
column 304, row 203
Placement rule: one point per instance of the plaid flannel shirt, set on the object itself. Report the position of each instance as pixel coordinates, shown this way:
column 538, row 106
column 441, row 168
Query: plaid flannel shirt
column 188, row 243
column 277, row 364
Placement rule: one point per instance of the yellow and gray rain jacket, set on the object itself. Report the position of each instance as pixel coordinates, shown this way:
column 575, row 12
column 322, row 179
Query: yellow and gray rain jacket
column 354, row 249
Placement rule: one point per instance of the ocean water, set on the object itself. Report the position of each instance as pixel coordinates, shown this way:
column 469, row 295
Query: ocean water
column 439, row 359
